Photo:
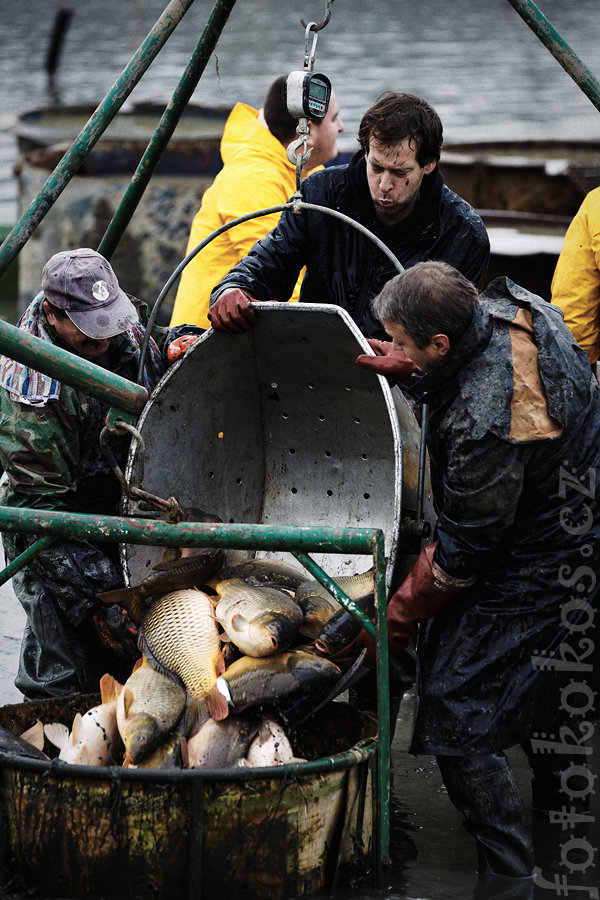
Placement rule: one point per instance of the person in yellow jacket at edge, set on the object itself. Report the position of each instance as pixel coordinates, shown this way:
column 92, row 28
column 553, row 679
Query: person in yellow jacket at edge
column 256, row 175
column 576, row 281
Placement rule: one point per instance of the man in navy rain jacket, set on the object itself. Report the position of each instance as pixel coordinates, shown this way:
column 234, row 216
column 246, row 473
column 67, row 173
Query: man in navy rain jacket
column 393, row 187
column 508, row 590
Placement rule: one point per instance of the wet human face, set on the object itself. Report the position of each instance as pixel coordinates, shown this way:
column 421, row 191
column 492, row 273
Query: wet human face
column 323, row 137
column 424, row 358
column 74, row 339
column 394, row 178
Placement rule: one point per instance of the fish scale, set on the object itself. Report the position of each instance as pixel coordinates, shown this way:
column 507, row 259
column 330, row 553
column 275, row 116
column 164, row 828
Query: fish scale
column 180, row 634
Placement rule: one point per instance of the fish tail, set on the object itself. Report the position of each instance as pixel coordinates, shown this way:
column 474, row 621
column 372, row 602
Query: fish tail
column 129, row 598
column 57, row 734
column 216, row 704
column 35, row 735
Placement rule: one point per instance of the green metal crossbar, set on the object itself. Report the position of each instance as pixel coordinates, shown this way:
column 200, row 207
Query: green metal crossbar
column 297, row 540
column 559, row 48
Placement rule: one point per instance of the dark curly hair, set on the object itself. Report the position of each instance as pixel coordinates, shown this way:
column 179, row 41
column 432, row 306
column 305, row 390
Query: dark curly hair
column 396, row 116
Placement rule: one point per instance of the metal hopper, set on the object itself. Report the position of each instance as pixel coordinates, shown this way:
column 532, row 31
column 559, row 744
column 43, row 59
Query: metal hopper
column 278, row 426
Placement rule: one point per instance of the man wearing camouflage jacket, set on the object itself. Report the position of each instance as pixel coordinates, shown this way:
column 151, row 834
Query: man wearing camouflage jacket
column 50, row 451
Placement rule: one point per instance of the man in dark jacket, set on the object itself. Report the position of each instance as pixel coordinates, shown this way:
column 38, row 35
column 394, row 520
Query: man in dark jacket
column 50, row 452
column 394, row 188
column 509, row 586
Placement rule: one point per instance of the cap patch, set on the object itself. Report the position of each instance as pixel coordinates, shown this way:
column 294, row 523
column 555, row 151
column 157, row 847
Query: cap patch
column 100, row 290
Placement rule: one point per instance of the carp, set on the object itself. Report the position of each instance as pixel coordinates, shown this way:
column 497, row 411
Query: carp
column 259, row 620
column 94, row 739
column 22, row 745
column 180, row 637
column 166, row 756
column 319, row 605
column 271, row 679
column 148, row 708
column 218, row 745
column 271, row 746
column 268, row 572
column 192, row 568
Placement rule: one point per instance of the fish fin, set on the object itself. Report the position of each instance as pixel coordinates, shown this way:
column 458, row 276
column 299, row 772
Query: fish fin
column 127, row 701
column 194, row 716
column 76, row 729
column 220, row 663
column 237, row 622
column 57, row 734
column 185, row 756
column 128, row 761
column 110, row 688
column 35, row 735
column 129, row 599
column 216, row 704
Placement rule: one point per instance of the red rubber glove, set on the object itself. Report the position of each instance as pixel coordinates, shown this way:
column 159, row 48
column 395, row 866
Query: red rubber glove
column 420, row 596
column 178, row 347
column 232, row 312
column 389, row 361
column 116, row 630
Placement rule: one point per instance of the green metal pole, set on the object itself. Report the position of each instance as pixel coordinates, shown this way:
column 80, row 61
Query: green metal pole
column 382, row 806
column 71, row 369
column 334, row 589
column 17, row 564
column 92, row 131
column 166, row 126
column 187, row 534
column 559, row 48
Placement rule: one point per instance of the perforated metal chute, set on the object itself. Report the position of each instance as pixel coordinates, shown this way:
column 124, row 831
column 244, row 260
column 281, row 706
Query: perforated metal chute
column 279, row 426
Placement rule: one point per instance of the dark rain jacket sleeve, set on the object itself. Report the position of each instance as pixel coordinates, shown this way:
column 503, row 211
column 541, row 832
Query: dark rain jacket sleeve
column 482, row 489
column 271, row 268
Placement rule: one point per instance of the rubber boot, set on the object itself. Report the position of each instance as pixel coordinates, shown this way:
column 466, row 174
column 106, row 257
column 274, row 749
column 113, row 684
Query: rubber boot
column 485, row 791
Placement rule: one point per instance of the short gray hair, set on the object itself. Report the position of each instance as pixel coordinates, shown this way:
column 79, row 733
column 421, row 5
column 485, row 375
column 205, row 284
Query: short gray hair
column 429, row 298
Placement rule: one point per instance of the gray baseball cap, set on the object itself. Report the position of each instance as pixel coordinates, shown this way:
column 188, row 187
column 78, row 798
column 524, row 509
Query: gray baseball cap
column 82, row 282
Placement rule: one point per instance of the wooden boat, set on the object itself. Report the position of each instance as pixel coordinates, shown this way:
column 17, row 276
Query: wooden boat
column 545, row 177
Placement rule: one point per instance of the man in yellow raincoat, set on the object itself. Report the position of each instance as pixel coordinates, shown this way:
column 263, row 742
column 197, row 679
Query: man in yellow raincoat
column 256, row 174
column 576, row 282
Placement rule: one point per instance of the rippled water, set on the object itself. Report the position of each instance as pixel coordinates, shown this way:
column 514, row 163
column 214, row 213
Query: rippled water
column 478, row 63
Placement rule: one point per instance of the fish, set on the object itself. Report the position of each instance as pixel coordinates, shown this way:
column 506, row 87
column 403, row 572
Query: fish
column 218, row 745
column 166, row 756
column 19, row 745
column 259, row 620
column 180, row 636
column 271, row 746
column 149, row 707
column 181, row 567
column 271, row 679
column 319, row 605
column 268, row 572
column 94, row 738
column 193, row 567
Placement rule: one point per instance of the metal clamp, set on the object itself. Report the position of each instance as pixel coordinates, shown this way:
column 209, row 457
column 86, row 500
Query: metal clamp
column 174, row 513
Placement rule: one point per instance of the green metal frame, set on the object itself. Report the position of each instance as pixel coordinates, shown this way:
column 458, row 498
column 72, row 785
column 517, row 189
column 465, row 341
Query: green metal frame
column 297, row 540
column 128, row 399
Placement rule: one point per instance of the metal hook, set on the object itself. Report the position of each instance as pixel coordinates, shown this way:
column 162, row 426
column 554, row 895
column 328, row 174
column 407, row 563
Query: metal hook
column 324, row 22
column 309, row 60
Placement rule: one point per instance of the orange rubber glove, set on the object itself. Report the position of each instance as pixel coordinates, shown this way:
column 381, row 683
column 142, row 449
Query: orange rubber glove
column 178, row 347
column 232, row 312
column 389, row 361
column 421, row 596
